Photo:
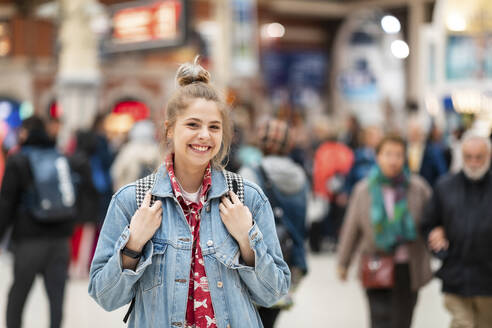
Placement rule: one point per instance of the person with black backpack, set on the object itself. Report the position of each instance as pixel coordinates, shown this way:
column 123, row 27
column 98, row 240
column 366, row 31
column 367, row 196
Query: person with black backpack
column 287, row 187
column 192, row 245
column 39, row 200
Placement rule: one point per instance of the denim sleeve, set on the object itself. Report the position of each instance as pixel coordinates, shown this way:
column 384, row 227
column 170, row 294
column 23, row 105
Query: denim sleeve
column 110, row 285
column 269, row 279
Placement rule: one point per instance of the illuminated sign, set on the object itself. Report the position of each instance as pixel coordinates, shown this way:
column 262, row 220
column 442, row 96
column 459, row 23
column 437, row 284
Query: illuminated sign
column 147, row 25
column 136, row 109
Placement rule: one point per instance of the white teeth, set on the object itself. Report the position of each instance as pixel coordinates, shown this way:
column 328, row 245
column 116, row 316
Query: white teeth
column 199, row 148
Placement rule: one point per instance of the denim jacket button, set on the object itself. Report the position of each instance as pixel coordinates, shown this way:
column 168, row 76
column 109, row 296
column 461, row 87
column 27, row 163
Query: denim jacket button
column 219, row 284
column 208, row 207
column 177, row 324
column 210, row 243
column 228, row 326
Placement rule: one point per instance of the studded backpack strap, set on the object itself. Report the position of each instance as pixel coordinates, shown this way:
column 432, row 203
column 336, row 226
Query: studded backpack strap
column 235, row 183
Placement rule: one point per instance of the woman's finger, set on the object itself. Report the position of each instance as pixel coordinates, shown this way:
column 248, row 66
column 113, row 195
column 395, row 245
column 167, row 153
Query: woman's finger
column 235, row 199
column 222, row 208
column 157, row 205
column 226, row 201
column 146, row 200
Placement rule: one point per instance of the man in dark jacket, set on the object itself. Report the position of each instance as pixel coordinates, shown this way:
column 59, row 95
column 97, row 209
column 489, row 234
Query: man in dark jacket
column 458, row 226
column 424, row 157
column 38, row 246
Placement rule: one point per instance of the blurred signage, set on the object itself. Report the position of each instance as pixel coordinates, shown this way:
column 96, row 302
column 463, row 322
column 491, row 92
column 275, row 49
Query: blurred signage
column 296, row 73
column 144, row 25
column 244, row 40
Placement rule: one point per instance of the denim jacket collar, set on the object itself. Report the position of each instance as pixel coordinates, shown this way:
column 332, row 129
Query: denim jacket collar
column 162, row 186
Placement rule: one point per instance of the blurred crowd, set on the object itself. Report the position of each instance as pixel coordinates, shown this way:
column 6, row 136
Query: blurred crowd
column 342, row 188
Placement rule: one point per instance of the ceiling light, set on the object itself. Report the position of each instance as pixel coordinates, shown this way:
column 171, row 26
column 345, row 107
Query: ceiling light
column 400, row 49
column 390, row 24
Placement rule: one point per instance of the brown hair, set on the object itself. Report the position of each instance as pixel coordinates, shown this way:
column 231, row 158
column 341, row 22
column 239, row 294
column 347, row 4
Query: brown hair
column 395, row 138
column 274, row 137
column 193, row 82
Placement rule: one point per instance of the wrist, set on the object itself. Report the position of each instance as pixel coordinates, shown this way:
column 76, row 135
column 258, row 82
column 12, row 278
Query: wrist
column 131, row 253
column 243, row 241
column 134, row 245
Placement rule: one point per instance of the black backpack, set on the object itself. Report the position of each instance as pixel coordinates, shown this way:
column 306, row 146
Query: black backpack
column 51, row 197
column 234, row 182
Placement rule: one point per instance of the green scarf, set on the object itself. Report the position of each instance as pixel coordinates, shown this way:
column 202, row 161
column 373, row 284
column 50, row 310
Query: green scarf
column 390, row 233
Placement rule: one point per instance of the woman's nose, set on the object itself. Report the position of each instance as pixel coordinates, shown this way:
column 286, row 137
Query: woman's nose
column 203, row 133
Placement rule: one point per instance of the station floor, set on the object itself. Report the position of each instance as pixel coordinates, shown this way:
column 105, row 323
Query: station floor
column 321, row 301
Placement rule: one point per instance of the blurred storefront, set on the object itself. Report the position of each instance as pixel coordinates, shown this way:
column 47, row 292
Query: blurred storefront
column 298, row 58
column 457, row 64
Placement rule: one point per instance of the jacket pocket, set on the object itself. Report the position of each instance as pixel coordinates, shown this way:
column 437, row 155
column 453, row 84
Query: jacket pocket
column 227, row 252
column 154, row 274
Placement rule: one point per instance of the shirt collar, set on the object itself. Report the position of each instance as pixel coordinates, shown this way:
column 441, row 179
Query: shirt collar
column 206, row 182
column 162, row 186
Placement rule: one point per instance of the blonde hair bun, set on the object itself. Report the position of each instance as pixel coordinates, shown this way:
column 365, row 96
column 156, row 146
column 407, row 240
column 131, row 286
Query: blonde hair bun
column 189, row 73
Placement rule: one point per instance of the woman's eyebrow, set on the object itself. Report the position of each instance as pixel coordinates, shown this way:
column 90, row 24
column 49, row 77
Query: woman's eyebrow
column 199, row 120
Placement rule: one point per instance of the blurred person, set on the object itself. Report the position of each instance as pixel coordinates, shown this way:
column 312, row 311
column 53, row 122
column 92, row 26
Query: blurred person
column 424, row 157
column 331, row 165
column 381, row 221
column 286, row 186
column 197, row 257
column 364, row 157
column 437, row 138
column 86, row 228
column 458, row 227
column 302, row 148
column 351, row 136
column 53, row 126
column 42, row 218
column 455, row 145
column 139, row 157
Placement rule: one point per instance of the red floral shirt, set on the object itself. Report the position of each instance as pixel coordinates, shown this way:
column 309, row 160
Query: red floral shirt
column 199, row 309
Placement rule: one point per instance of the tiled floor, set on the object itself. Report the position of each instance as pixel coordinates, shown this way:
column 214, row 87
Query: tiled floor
column 321, row 301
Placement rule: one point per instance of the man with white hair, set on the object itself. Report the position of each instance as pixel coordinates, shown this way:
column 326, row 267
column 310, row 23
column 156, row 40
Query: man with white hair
column 458, row 226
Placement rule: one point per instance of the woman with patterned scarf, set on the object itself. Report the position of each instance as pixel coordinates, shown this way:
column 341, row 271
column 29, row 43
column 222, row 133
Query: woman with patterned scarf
column 382, row 220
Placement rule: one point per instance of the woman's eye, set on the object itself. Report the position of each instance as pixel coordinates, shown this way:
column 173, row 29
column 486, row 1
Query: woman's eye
column 215, row 127
column 193, row 125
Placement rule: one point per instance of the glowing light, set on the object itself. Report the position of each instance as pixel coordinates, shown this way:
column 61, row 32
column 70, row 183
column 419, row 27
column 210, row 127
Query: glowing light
column 456, row 22
column 273, row 30
column 400, row 49
column 390, row 24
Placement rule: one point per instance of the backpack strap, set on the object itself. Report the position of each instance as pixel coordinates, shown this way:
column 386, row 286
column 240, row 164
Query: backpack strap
column 235, row 183
column 141, row 187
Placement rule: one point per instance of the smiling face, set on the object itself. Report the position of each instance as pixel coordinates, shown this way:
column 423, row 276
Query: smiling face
column 196, row 134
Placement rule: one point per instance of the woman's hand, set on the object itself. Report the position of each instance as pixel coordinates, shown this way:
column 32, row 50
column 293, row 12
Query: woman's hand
column 236, row 217
column 144, row 223
column 238, row 220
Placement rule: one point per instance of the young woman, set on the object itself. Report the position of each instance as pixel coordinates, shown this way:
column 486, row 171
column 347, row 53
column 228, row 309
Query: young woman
column 197, row 257
column 382, row 218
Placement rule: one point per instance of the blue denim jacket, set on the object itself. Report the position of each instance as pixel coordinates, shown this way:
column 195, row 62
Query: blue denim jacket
column 160, row 280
